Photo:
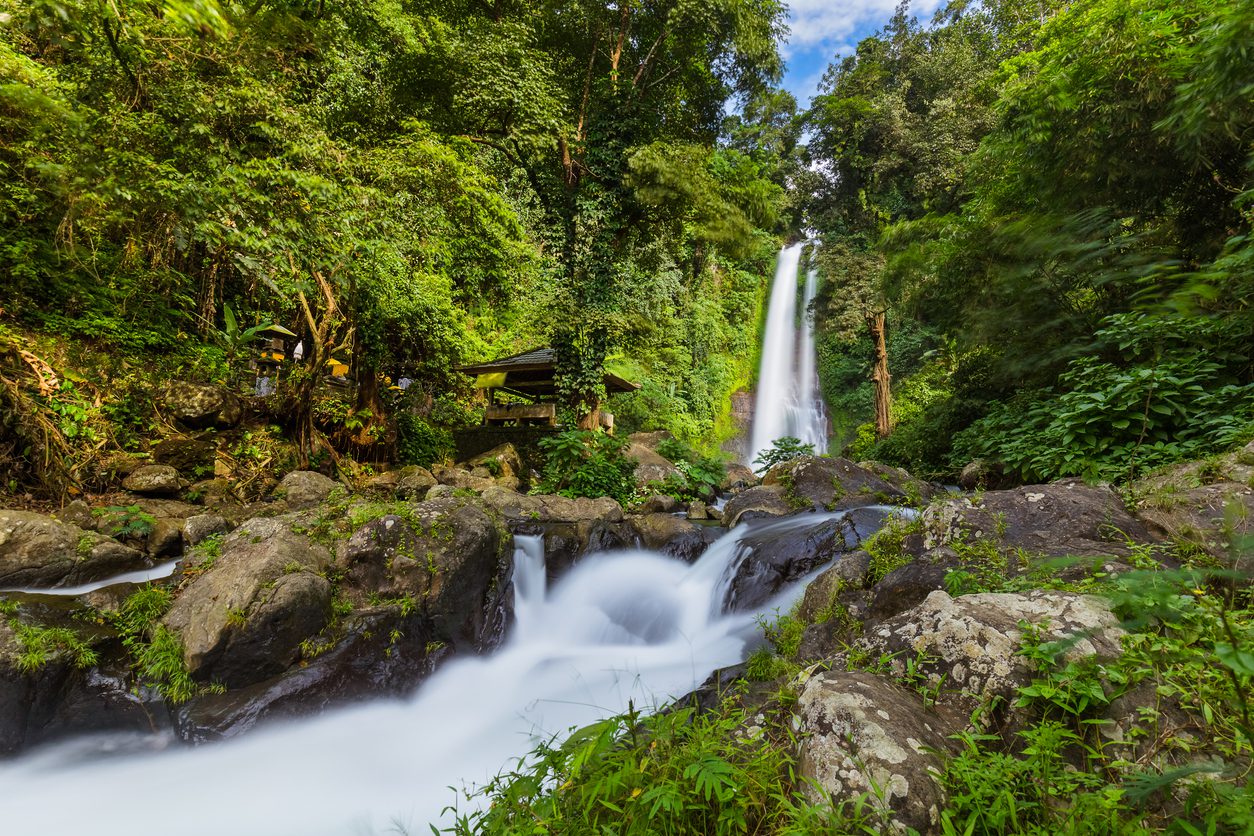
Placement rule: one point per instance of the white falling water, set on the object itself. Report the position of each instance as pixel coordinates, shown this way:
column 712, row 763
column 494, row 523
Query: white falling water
column 787, row 401
column 627, row 626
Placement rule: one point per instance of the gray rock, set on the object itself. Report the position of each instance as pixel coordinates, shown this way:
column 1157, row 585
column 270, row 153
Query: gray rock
column 77, row 513
column 659, row 503
column 452, row 557
column 651, row 466
column 507, row 462
column 1062, row 518
column 154, row 480
column 441, row 492
column 409, row 483
column 1207, row 505
column 196, row 529
column 244, row 619
column 458, row 477
column 39, row 551
column 672, row 535
column 200, row 406
column 697, row 510
column 831, row 484
column 739, row 477
column 166, row 537
column 186, row 455
column 849, row 572
column 305, row 488
column 980, row 474
column 969, row 645
column 863, row 735
column 760, row 501
column 901, row 479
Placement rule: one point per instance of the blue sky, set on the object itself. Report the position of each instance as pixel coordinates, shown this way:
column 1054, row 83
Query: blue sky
column 823, row 29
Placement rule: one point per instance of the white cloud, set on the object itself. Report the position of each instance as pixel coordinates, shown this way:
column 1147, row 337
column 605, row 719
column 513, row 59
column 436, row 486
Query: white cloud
column 833, row 23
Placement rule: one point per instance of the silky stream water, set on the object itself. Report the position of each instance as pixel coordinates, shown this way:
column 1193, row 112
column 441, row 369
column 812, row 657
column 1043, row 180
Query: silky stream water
column 619, row 627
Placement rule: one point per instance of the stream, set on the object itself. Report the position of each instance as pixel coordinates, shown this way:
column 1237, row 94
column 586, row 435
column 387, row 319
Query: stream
column 625, row 626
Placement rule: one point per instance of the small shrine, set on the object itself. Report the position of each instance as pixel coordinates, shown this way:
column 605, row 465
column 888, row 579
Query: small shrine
column 522, row 392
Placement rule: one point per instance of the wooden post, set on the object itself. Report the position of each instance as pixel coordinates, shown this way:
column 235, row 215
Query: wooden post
column 881, row 377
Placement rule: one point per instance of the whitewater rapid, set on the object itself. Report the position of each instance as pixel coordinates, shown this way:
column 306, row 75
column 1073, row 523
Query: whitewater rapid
column 622, row 627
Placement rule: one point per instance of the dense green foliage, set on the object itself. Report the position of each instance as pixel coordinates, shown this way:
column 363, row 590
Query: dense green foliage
column 1054, row 209
column 404, row 186
column 676, row 772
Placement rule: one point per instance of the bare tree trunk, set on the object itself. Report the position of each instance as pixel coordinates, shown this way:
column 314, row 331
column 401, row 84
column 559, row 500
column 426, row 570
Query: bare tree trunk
column 881, row 377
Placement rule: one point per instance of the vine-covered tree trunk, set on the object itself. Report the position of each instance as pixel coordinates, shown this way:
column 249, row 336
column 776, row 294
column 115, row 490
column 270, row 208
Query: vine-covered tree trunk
column 881, row 377
column 325, row 331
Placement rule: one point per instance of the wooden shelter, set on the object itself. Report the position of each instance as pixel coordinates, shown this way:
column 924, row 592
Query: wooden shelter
column 529, row 377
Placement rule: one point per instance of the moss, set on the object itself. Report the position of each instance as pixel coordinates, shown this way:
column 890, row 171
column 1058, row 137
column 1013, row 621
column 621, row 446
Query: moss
column 887, row 548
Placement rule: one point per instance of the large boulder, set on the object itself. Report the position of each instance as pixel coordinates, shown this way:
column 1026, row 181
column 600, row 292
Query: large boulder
column 154, row 480
column 651, row 466
column 970, row 644
column 1062, row 518
column 459, row 478
column 501, row 461
column 917, row 491
column 193, row 456
column 572, row 528
column 1207, row 505
column 40, row 551
column 244, row 620
column 201, row 406
column 757, row 502
column 305, row 488
column 862, row 736
column 782, row 551
column 450, row 558
column 737, row 477
column 831, row 484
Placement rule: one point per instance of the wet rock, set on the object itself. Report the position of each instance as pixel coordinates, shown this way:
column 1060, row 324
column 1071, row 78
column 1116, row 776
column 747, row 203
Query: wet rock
column 451, row 557
column 970, row 644
column 1062, row 518
column 305, row 488
column 39, row 551
column 757, row 502
column 697, row 510
column 782, row 551
column 673, row 535
column 154, row 480
column 864, row 736
column 200, row 407
column 572, row 528
column 831, row 484
column 244, row 619
column 202, row 526
column 849, row 572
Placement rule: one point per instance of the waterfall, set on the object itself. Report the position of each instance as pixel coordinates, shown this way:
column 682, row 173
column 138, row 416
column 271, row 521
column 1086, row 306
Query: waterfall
column 787, row 402
column 618, row 627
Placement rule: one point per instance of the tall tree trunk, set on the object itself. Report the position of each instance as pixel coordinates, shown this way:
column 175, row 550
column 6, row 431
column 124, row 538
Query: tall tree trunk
column 881, row 377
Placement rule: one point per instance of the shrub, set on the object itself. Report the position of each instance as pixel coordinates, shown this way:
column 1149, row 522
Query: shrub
column 588, row 463
column 782, row 450
column 421, row 443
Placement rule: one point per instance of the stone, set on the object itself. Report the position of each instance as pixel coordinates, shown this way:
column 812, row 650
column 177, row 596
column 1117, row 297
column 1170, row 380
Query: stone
column 848, row 572
column 1204, row 504
column 1059, row 519
column 244, row 619
column 203, row 526
column 77, row 513
column 452, row 557
column 572, row 528
column 697, row 510
column 659, row 503
column 39, row 551
column 756, row 502
column 980, row 474
column 409, row 483
column 864, row 736
column 462, row 479
column 909, row 585
column 672, row 535
column 441, row 492
column 651, row 466
column 305, row 488
column 166, row 537
column 186, row 455
column 154, row 480
column 969, row 645
column 831, row 483
column 506, row 459
column 918, row 491
column 739, row 477
column 199, row 406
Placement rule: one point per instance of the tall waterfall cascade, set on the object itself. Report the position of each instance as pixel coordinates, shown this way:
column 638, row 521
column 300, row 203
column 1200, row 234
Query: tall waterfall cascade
column 787, row 402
